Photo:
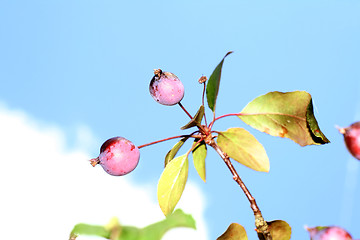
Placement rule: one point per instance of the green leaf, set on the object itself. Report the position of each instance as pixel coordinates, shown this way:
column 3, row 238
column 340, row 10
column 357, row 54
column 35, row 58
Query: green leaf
column 172, row 183
column 234, row 232
column 115, row 229
column 212, row 88
column 199, row 156
column 174, row 150
column 152, row 232
column 317, row 136
column 196, row 120
column 177, row 219
column 288, row 114
column 129, row 233
column 110, row 231
column 280, row 230
column 243, row 147
column 92, row 230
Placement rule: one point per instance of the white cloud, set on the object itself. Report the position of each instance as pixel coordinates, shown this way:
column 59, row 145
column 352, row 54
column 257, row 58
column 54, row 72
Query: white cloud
column 46, row 189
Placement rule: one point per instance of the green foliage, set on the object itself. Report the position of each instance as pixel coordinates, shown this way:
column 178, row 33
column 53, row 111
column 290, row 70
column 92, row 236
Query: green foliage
column 243, row 147
column 317, row 136
column 174, row 150
column 177, row 219
column 199, row 155
column 92, row 230
column 115, row 231
column 172, row 183
column 212, row 88
column 196, row 120
column 288, row 114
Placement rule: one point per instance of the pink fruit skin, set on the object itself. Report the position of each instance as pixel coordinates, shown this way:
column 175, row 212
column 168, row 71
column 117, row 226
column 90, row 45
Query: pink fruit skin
column 352, row 139
column 329, row 233
column 167, row 90
column 119, row 156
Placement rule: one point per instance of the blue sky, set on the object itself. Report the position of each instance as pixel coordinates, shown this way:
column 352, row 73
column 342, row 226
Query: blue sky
column 88, row 63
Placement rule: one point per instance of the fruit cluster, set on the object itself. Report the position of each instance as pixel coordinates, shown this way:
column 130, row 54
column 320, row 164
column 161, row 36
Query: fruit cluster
column 119, row 156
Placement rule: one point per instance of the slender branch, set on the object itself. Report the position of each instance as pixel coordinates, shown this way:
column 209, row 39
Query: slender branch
column 183, row 108
column 261, row 225
column 166, row 139
column 236, row 176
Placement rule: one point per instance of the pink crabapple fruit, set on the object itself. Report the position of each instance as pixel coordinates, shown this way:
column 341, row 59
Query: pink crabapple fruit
column 352, row 138
column 166, row 88
column 118, row 156
column 328, row 233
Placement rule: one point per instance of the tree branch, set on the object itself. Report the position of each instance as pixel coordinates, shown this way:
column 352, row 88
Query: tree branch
column 261, row 225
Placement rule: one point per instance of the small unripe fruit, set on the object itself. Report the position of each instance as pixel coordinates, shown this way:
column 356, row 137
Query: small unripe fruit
column 118, row 156
column 328, row 233
column 352, row 139
column 166, row 88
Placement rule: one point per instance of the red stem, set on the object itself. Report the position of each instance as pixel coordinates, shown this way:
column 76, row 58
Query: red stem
column 228, row 115
column 166, row 139
column 195, row 145
column 183, row 108
column 212, row 122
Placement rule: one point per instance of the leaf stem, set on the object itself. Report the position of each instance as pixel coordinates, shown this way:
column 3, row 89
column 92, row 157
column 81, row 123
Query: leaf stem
column 166, row 139
column 197, row 144
column 212, row 122
column 261, row 225
column 228, row 115
column 203, row 101
column 183, row 108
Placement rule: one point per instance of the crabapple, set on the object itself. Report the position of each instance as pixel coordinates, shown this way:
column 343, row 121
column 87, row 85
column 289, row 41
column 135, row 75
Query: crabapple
column 118, row 156
column 328, row 233
column 166, row 88
column 352, row 139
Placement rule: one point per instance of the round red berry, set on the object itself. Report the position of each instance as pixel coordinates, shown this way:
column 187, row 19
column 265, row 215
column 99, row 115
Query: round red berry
column 352, row 139
column 118, row 156
column 166, row 88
